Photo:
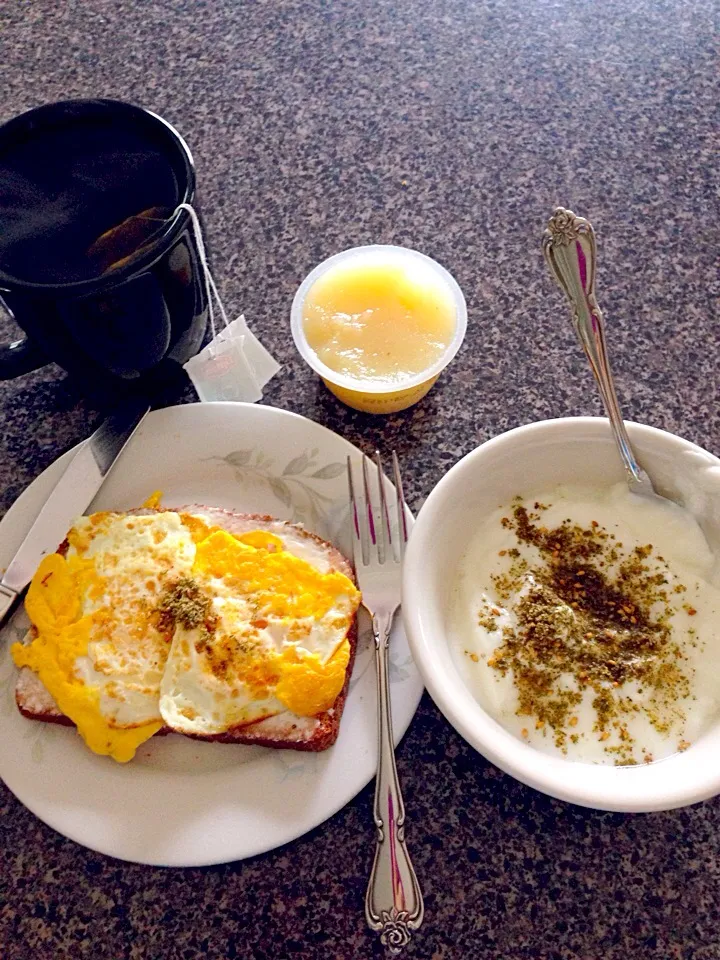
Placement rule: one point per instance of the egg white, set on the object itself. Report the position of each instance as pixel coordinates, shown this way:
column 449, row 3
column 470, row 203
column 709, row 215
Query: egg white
column 134, row 555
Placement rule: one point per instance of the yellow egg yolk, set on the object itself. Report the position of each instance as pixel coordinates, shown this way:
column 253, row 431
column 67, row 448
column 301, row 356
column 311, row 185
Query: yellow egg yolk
column 307, row 686
column 282, row 584
column 200, row 530
column 54, row 605
column 197, row 527
column 287, row 587
column 153, row 501
column 261, row 539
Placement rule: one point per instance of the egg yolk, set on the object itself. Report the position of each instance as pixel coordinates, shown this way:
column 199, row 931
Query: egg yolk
column 54, row 606
column 261, row 539
column 196, row 526
column 153, row 501
column 285, row 587
column 282, row 584
column 307, row 686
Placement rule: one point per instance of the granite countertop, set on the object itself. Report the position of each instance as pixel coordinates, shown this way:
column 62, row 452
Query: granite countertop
column 453, row 128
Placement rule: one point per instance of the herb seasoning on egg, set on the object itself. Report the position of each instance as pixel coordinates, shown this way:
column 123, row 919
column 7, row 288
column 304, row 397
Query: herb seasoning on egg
column 589, row 617
column 184, row 603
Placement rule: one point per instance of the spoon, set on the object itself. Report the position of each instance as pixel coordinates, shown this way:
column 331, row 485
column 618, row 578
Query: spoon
column 570, row 251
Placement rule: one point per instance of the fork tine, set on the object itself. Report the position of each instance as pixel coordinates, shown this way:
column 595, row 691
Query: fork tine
column 353, row 504
column 359, row 533
column 367, row 526
column 385, row 535
column 400, row 499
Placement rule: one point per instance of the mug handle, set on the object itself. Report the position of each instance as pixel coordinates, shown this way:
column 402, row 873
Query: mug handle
column 20, row 357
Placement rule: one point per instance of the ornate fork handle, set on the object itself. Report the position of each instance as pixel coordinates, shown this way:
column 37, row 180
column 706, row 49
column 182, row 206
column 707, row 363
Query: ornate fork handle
column 393, row 903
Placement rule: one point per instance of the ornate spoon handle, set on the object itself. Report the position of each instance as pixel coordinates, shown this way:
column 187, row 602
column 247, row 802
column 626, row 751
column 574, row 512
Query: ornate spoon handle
column 570, row 251
column 393, row 903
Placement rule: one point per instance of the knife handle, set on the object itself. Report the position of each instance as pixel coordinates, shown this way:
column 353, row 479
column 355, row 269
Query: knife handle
column 8, row 599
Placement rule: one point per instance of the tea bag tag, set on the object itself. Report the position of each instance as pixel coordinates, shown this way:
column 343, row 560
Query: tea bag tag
column 234, row 365
column 221, row 372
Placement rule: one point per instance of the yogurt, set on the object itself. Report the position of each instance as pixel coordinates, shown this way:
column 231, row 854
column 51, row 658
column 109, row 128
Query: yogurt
column 585, row 621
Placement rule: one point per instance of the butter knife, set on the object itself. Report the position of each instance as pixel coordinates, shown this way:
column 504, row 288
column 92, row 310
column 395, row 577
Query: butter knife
column 72, row 495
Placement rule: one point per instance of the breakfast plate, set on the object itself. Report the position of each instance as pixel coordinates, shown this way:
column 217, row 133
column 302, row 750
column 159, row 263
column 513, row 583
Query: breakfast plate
column 181, row 802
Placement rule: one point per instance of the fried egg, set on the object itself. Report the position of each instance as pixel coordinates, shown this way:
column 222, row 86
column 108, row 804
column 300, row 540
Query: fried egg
column 276, row 640
column 97, row 648
column 167, row 620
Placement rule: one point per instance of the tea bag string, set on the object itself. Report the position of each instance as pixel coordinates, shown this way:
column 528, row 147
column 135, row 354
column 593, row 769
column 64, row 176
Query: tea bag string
column 211, row 289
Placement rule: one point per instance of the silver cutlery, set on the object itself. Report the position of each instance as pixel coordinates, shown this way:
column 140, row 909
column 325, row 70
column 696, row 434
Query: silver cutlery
column 74, row 491
column 393, row 903
column 570, row 251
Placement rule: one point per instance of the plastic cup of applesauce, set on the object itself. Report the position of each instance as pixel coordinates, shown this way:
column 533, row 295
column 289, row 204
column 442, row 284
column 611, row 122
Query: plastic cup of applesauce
column 369, row 393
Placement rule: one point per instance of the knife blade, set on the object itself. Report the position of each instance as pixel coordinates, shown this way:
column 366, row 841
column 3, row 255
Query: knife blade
column 70, row 498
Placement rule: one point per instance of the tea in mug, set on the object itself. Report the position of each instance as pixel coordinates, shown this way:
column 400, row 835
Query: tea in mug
column 79, row 199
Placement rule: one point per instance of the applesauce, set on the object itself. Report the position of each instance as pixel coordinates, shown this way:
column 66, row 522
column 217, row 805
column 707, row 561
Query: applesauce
column 379, row 324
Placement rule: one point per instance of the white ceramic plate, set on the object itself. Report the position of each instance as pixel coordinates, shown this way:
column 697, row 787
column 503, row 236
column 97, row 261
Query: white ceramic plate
column 179, row 802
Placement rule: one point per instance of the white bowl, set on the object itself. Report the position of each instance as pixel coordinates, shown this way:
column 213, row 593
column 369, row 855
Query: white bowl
column 527, row 460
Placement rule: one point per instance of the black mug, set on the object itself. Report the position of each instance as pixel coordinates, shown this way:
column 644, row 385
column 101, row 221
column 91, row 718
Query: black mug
column 97, row 265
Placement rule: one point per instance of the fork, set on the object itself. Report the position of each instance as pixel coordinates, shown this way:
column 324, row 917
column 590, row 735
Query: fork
column 393, row 902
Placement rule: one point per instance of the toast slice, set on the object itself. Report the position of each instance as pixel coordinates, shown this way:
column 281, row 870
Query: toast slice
column 282, row 731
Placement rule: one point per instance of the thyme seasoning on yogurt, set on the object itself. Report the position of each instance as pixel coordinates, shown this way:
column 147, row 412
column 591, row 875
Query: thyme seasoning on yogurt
column 591, row 620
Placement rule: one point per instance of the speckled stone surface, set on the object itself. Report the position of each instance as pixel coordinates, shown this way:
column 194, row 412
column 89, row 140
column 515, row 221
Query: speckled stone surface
column 305, row 118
